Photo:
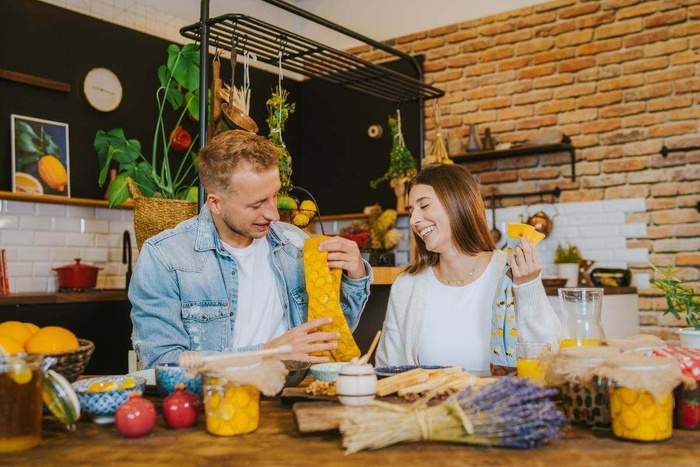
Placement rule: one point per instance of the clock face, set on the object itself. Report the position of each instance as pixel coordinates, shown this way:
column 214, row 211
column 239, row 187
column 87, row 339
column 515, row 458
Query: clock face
column 102, row 89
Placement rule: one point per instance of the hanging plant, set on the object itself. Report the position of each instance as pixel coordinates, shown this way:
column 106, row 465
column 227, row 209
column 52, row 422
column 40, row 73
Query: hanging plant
column 280, row 110
column 402, row 165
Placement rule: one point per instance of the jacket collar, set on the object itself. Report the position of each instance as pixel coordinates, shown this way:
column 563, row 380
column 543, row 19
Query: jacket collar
column 208, row 238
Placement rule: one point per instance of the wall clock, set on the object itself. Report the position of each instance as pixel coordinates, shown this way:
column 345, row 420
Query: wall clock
column 102, row 89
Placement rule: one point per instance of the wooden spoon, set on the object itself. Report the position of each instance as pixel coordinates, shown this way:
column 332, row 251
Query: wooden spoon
column 232, row 113
column 365, row 358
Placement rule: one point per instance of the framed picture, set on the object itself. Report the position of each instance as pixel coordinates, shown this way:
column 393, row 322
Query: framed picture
column 40, row 157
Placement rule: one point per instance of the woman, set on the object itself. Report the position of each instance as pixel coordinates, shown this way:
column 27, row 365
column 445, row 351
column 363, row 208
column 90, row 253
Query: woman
column 457, row 304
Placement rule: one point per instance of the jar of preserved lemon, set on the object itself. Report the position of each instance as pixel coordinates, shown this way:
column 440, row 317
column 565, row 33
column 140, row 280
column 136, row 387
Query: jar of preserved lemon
column 641, row 395
column 231, row 408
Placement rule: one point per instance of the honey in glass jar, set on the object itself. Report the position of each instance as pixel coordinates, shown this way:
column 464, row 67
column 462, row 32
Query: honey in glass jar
column 21, row 378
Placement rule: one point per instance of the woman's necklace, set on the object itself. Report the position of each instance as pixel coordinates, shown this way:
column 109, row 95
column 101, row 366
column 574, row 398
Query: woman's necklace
column 458, row 282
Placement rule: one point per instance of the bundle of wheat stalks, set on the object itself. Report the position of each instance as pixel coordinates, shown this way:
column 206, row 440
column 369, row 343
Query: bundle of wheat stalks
column 509, row 412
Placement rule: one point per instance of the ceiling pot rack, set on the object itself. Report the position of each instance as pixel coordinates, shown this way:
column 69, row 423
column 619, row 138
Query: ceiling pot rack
column 308, row 58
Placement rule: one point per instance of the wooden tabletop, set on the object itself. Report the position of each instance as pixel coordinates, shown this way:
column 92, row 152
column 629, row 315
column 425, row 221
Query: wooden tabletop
column 278, row 442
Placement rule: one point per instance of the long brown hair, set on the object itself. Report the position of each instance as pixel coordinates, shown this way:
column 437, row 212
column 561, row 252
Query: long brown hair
column 457, row 191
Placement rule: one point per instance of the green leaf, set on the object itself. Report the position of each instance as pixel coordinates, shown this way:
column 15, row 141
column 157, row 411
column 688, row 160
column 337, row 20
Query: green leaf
column 105, row 168
column 172, row 94
column 50, row 146
column 192, row 194
column 26, row 144
column 24, row 128
column 118, row 191
column 193, row 104
column 125, row 151
column 24, row 160
column 143, row 177
column 184, row 65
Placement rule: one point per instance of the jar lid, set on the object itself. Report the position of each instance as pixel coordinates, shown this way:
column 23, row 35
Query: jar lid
column 574, row 364
column 352, row 370
column 60, row 398
column 688, row 358
column 77, row 265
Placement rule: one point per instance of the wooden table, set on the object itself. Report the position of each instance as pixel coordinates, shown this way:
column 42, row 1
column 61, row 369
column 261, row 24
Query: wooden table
column 277, row 442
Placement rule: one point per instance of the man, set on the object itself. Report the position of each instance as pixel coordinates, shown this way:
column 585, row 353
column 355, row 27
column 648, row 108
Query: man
column 232, row 278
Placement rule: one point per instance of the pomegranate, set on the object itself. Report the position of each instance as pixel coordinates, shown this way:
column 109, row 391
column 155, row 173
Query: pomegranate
column 181, row 408
column 135, row 417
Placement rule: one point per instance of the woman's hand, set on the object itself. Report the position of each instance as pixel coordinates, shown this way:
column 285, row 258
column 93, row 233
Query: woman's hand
column 526, row 264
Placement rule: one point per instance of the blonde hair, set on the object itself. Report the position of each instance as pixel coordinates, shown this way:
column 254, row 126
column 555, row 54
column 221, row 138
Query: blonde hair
column 458, row 192
column 226, row 151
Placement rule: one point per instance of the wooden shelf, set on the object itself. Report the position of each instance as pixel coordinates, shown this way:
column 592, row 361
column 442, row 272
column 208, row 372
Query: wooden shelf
column 522, row 151
column 63, row 297
column 53, row 199
column 385, row 275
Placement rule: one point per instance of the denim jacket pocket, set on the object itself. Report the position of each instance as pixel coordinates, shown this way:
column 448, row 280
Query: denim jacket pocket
column 206, row 324
column 300, row 297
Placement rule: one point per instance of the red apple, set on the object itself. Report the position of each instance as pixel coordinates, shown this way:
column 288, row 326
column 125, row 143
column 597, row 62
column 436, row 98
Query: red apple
column 135, row 417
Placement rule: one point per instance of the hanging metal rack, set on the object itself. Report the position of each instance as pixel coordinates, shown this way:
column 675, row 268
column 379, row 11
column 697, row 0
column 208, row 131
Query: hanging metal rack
column 308, row 58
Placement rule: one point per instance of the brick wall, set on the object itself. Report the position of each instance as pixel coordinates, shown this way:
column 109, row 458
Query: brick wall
column 619, row 77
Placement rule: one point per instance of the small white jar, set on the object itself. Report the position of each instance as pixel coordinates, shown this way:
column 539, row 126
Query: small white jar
column 356, row 384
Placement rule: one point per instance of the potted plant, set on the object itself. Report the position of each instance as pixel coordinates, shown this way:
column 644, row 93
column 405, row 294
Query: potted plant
column 402, row 165
column 567, row 260
column 383, row 236
column 682, row 304
column 163, row 197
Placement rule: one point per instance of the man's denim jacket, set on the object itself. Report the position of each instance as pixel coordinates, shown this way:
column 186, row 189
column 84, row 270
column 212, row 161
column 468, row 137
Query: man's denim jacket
column 184, row 289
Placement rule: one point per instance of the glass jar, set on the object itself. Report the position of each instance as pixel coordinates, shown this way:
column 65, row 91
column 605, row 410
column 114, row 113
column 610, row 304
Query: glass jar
column 637, row 414
column 21, row 378
column 586, row 403
column 581, row 311
column 686, row 414
column 231, row 408
column 529, row 361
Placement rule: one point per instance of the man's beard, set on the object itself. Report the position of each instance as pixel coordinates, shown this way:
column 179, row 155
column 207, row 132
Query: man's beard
column 233, row 228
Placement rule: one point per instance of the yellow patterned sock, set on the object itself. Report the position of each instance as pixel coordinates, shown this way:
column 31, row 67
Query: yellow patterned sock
column 323, row 289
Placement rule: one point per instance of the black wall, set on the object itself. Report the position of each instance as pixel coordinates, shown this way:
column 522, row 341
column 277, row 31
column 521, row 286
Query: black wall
column 327, row 136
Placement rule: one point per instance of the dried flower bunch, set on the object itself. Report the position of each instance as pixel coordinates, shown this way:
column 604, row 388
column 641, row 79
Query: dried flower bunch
column 384, row 236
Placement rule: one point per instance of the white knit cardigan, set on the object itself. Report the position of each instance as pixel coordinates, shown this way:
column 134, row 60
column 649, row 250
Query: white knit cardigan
column 535, row 317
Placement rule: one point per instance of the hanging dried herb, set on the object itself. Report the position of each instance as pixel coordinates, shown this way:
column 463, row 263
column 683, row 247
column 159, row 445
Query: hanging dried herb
column 279, row 111
column 401, row 162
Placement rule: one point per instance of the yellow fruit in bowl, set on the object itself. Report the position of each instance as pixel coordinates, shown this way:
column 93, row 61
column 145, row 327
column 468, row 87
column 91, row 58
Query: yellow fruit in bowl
column 286, row 202
column 10, row 345
column 33, row 328
column 16, row 330
column 301, row 220
column 308, row 205
column 52, row 339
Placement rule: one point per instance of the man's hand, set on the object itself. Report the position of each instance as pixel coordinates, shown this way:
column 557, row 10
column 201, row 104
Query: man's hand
column 344, row 254
column 526, row 264
column 305, row 339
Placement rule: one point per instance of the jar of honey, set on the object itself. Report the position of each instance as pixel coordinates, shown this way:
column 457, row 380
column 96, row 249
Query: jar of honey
column 231, row 408
column 641, row 395
column 21, row 378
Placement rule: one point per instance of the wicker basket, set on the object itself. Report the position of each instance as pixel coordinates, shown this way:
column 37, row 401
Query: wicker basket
column 153, row 215
column 72, row 364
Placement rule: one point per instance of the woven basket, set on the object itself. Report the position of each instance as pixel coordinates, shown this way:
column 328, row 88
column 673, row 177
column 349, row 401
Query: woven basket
column 153, row 215
column 72, row 364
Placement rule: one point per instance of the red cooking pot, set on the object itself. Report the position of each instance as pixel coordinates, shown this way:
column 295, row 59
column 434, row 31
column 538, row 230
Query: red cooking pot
column 77, row 276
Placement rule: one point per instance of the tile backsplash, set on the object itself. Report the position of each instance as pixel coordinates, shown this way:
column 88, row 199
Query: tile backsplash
column 39, row 237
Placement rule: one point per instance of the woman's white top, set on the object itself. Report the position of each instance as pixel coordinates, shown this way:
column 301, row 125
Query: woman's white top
column 457, row 322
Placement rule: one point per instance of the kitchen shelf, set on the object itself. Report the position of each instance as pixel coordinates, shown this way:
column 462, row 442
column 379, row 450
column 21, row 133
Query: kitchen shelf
column 519, row 152
column 35, row 298
column 53, row 199
column 310, row 58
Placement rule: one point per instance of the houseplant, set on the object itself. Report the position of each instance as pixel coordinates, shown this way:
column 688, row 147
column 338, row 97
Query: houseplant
column 567, row 260
column 162, row 198
column 402, row 165
column 682, row 304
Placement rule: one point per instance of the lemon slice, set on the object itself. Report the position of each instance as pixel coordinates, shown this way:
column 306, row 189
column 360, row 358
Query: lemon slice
column 25, row 183
column 21, row 376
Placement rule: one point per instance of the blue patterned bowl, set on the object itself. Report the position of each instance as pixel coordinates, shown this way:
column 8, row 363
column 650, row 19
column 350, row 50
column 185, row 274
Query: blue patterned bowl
column 170, row 375
column 105, row 403
column 326, row 371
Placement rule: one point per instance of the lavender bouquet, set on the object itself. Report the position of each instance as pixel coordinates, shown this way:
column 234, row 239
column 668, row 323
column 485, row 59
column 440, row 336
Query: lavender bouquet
column 509, row 412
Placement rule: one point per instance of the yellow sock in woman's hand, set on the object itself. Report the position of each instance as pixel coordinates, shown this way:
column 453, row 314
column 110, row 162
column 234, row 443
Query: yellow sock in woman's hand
column 323, row 289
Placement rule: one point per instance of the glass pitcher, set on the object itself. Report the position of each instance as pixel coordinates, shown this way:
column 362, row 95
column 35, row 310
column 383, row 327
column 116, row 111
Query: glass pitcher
column 581, row 310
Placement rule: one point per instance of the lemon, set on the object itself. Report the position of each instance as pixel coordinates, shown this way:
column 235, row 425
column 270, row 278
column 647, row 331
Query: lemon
column 301, row 220
column 10, row 345
column 52, row 339
column 33, row 328
column 16, row 330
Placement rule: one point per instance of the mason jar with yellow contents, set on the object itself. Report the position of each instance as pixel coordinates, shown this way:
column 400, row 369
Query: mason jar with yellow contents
column 230, row 408
column 641, row 395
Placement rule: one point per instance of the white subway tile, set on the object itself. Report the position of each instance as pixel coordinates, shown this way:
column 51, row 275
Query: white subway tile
column 20, row 207
column 595, row 255
column 616, row 218
column 45, row 209
column 50, row 239
column 8, row 222
column 13, row 285
column 127, row 215
column 15, row 269
column 97, row 226
column 112, row 268
column 52, row 284
column 565, row 233
column 611, row 264
column 84, row 212
column 597, row 218
column 80, row 239
column 594, row 243
column 632, row 255
column 108, row 214
column 634, row 230
column 30, row 284
column 10, row 252
column 33, row 253
column 42, row 268
column 120, row 226
column 30, row 222
column 115, row 282
column 115, row 254
column 94, row 254
column 67, row 224
column 108, row 240
column 626, row 205
column 576, row 219
column 16, row 237
column 64, row 254
column 641, row 281
column 599, row 231
column 616, row 243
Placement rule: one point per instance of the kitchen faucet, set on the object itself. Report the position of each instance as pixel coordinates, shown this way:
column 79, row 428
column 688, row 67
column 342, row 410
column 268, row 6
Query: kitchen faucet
column 126, row 251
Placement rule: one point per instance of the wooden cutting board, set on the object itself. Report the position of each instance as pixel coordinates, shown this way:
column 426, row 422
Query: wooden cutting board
column 314, row 417
column 292, row 395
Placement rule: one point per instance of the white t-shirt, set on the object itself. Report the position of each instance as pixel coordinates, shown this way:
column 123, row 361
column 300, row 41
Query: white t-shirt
column 259, row 317
column 457, row 322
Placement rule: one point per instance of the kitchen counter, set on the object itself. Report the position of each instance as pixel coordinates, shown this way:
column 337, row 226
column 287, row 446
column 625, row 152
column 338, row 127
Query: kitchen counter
column 278, row 442
column 34, row 298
